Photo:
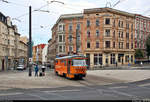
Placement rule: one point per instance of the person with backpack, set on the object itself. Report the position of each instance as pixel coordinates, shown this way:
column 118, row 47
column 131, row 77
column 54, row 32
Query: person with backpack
column 36, row 70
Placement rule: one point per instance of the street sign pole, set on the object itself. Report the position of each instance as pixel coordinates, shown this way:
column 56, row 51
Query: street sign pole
column 30, row 41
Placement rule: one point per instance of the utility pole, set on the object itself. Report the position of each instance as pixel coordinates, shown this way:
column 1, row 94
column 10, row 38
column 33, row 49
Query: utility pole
column 30, row 41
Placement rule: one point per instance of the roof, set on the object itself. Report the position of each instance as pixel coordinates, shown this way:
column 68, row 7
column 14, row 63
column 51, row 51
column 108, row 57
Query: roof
column 68, row 57
column 66, row 16
column 106, row 9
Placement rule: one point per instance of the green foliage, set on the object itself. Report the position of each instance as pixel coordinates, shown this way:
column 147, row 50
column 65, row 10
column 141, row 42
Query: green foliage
column 148, row 45
column 139, row 53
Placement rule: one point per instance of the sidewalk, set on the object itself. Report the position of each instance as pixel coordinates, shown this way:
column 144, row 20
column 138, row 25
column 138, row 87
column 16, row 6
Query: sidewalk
column 126, row 75
column 123, row 67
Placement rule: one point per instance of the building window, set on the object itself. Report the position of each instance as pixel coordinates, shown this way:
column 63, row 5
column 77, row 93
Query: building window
column 114, row 34
column 78, row 26
column 70, row 38
column 122, row 24
column 114, row 44
column 64, row 48
column 131, row 58
column 114, row 23
column 88, row 23
column 127, row 45
column 107, row 44
column 61, row 27
column 107, row 21
column 132, row 36
column 97, row 22
column 119, row 34
column 70, row 48
column 98, row 59
column 127, row 58
column 107, row 32
column 131, row 45
column 122, row 34
column 112, row 60
column 119, row 23
column 127, row 25
column 88, row 33
column 97, row 33
column 88, row 44
column 78, row 48
column 78, row 38
column 127, row 35
column 97, row 44
column 70, row 27
column 132, row 27
column 60, row 38
column 120, row 45
column 60, row 48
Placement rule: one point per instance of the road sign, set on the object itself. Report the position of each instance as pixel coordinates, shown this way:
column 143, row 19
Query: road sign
column 30, row 59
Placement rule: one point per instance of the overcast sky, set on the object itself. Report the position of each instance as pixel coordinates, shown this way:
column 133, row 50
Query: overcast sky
column 42, row 22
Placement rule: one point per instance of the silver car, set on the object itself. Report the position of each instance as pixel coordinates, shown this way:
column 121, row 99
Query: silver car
column 20, row 67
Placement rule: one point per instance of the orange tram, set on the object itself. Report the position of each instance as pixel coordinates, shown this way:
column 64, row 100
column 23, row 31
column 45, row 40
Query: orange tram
column 71, row 66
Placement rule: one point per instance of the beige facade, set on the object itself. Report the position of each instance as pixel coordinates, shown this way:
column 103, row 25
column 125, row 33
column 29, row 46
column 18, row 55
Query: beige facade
column 104, row 35
column 22, row 52
column 9, row 43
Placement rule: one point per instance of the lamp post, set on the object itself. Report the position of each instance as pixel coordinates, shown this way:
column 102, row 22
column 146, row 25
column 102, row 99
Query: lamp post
column 30, row 41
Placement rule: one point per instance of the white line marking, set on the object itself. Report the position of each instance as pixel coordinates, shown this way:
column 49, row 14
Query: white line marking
column 118, row 87
column 6, row 94
column 61, row 91
column 37, row 96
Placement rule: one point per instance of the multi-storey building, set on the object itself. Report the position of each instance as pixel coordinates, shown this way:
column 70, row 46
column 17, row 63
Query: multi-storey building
column 108, row 36
column 44, row 54
column 104, row 35
column 142, row 30
column 9, row 43
column 37, row 53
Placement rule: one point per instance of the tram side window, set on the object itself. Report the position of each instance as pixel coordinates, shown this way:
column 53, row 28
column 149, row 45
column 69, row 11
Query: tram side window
column 56, row 62
column 65, row 63
column 62, row 62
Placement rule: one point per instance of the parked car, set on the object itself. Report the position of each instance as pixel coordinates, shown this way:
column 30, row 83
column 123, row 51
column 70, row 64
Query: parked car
column 20, row 67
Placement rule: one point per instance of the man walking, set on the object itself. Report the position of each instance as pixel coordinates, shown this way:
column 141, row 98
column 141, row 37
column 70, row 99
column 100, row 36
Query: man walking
column 36, row 70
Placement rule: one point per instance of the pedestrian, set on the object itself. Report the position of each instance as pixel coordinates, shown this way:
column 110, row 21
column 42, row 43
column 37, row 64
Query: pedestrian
column 116, row 64
column 36, row 70
column 43, row 70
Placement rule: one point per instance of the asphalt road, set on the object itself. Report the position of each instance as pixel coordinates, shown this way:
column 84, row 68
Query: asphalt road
column 89, row 89
column 120, row 91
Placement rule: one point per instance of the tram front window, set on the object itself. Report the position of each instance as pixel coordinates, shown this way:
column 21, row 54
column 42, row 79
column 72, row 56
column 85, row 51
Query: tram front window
column 79, row 62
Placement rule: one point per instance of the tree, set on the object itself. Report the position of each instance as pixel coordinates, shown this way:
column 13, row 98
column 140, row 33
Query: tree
column 148, row 46
column 139, row 53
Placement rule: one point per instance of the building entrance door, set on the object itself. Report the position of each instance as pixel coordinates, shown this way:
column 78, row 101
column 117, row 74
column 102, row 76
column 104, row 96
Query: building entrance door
column 3, row 61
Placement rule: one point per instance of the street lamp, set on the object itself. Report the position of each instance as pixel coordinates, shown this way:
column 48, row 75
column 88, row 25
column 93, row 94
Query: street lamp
column 5, row 1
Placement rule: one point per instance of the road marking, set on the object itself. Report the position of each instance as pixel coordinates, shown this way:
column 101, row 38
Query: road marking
column 147, row 84
column 61, row 91
column 118, row 87
column 7, row 94
column 111, row 91
column 37, row 96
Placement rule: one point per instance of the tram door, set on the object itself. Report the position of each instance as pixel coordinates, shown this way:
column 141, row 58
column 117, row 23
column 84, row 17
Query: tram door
column 68, row 66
